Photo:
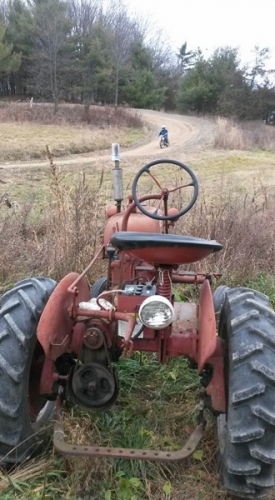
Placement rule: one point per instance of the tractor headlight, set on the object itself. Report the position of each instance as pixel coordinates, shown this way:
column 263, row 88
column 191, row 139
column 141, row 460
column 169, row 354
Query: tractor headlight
column 156, row 312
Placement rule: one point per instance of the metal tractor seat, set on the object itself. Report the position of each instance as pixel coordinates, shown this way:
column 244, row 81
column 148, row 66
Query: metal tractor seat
column 167, row 249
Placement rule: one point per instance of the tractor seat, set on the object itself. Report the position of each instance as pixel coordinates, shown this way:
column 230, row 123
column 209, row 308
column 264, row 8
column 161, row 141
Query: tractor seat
column 168, row 249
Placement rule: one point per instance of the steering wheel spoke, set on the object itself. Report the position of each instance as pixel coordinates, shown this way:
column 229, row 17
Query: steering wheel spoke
column 164, row 192
column 154, row 179
column 191, row 184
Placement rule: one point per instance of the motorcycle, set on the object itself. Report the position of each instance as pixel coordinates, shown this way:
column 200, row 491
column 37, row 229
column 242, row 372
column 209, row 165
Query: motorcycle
column 163, row 142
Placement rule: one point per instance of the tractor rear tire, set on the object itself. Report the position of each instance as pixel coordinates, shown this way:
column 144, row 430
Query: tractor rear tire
column 247, row 431
column 23, row 413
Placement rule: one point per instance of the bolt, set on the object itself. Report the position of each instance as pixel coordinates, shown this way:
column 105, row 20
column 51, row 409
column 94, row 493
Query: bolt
column 91, row 338
column 92, row 388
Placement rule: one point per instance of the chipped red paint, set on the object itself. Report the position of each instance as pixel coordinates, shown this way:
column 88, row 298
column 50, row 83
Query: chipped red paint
column 184, row 343
column 76, row 338
column 147, row 223
column 55, row 327
column 216, row 388
column 47, row 377
column 164, row 256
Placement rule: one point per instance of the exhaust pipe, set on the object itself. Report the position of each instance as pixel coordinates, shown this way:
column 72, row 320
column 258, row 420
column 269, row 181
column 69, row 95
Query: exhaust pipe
column 117, row 177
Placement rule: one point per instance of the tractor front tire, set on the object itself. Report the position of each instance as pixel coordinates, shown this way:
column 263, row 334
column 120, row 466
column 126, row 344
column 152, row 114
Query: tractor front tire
column 23, row 413
column 247, row 431
column 99, row 286
column 219, row 296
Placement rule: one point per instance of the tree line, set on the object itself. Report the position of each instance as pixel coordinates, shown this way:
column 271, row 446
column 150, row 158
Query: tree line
column 78, row 51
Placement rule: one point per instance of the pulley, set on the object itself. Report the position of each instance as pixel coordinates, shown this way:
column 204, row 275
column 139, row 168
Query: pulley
column 94, row 385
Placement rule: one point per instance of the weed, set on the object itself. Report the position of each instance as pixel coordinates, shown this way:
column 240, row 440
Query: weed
column 100, row 116
column 245, row 135
column 66, row 131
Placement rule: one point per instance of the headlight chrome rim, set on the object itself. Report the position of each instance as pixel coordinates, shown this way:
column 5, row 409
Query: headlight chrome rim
column 156, row 312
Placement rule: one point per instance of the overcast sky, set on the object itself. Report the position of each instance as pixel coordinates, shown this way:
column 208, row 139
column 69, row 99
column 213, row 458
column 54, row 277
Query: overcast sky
column 213, row 23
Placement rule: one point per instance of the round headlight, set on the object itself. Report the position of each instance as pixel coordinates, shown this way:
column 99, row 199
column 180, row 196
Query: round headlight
column 156, row 312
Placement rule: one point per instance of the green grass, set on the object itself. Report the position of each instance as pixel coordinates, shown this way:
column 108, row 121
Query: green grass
column 264, row 283
column 230, row 170
column 156, row 409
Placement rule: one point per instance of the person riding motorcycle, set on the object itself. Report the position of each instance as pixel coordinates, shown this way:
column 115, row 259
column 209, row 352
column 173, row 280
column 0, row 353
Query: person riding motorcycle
column 164, row 133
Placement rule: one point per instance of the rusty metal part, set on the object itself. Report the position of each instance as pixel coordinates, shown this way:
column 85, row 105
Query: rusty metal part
column 133, row 268
column 77, row 337
column 185, row 317
column 181, row 338
column 47, row 377
column 182, row 344
column 93, row 338
column 164, row 282
column 193, row 278
column 93, row 385
column 129, row 303
column 112, row 315
column 216, row 387
column 101, row 451
column 123, row 269
column 55, row 327
column 145, row 220
column 207, row 326
column 137, row 222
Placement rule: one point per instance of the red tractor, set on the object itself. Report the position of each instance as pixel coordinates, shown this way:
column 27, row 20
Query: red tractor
column 59, row 341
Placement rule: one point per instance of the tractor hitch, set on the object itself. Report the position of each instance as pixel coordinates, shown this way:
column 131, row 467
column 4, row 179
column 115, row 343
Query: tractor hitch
column 68, row 449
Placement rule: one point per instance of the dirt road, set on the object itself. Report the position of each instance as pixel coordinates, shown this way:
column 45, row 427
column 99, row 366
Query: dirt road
column 185, row 133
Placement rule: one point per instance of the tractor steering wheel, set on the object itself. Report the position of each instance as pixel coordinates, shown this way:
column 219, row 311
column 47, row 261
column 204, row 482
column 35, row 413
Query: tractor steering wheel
column 164, row 194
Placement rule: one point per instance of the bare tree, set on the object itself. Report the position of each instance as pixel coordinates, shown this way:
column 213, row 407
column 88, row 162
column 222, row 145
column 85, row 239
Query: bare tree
column 83, row 14
column 51, row 53
column 160, row 49
column 125, row 30
column 4, row 10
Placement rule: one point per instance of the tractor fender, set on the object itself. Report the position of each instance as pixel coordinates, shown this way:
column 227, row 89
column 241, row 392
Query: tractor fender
column 55, row 327
column 207, row 326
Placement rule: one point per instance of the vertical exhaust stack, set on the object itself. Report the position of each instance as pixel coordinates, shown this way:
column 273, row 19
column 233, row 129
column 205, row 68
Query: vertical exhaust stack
column 117, row 177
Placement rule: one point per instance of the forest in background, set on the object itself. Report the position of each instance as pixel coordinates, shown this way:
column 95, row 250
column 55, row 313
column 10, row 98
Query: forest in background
column 77, row 51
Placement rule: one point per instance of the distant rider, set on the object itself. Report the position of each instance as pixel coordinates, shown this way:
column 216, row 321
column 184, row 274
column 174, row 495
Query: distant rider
column 164, row 133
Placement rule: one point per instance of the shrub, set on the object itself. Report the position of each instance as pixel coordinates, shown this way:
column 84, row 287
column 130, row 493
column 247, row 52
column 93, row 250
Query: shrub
column 245, row 135
column 69, row 114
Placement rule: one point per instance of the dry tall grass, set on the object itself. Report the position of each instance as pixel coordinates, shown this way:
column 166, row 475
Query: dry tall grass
column 55, row 238
column 25, row 131
column 245, row 135
column 69, row 114
column 27, row 142
column 243, row 224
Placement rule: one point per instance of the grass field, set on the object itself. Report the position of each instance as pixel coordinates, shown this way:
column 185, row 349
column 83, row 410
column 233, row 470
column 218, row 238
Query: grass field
column 157, row 404
column 25, row 131
column 65, row 140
